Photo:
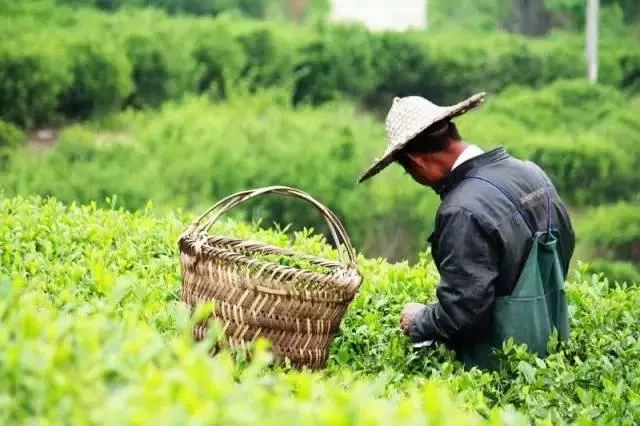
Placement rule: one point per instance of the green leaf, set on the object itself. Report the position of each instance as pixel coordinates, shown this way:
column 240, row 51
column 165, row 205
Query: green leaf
column 528, row 371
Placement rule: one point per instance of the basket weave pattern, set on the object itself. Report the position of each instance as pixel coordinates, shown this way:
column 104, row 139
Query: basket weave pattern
column 298, row 310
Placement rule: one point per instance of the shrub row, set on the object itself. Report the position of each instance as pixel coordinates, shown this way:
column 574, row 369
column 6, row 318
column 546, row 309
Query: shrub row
column 586, row 137
column 616, row 271
column 613, row 231
column 90, row 299
column 69, row 66
column 191, row 153
column 259, row 9
column 10, row 136
column 52, row 62
column 251, row 8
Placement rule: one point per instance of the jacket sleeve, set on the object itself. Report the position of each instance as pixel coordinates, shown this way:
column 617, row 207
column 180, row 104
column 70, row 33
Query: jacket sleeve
column 468, row 270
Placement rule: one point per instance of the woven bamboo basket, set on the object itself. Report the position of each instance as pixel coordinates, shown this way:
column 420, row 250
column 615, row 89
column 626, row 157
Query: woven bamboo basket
column 298, row 309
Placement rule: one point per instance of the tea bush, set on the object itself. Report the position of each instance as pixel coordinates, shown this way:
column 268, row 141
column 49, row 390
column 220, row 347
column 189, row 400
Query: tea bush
column 252, row 8
column 101, row 78
column 573, row 105
column 192, row 152
column 613, row 230
column 567, row 127
column 10, row 136
column 170, row 56
column 94, row 333
column 33, row 75
column 88, row 339
column 622, row 272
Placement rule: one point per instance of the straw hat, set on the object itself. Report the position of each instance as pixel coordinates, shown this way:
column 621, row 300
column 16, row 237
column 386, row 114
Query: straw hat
column 410, row 116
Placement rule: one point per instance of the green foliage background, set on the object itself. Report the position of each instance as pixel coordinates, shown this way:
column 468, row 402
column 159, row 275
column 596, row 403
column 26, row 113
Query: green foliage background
column 190, row 153
column 144, row 57
column 215, row 105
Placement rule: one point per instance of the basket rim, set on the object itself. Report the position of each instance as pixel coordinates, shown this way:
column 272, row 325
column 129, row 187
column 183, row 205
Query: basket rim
column 349, row 279
column 256, row 246
column 226, row 204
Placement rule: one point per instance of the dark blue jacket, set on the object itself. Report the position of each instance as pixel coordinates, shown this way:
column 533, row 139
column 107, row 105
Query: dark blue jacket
column 481, row 241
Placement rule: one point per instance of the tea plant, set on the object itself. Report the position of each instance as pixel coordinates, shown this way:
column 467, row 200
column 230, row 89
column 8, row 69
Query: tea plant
column 94, row 333
column 145, row 56
column 190, row 160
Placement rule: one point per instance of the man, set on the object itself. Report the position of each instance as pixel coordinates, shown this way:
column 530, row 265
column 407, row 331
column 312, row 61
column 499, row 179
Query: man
column 502, row 241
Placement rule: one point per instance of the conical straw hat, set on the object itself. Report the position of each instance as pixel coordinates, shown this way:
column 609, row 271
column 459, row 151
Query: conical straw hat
column 408, row 117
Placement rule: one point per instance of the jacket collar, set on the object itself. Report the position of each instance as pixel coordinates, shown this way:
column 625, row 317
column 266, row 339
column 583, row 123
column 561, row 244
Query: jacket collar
column 468, row 153
column 459, row 173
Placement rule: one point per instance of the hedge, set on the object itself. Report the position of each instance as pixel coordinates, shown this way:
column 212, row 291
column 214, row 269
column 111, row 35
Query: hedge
column 191, row 153
column 617, row 272
column 10, row 136
column 33, row 75
column 101, row 78
column 585, row 136
column 251, row 8
column 90, row 300
column 169, row 57
column 613, row 230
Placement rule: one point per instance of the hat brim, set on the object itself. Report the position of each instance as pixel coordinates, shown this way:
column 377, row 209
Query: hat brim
column 378, row 166
column 447, row 113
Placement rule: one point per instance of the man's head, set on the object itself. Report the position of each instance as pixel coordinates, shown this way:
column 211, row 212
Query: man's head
column 429, row 157
column 422, row 138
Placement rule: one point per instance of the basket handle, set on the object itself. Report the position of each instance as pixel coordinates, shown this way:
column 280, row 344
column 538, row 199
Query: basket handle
column 226, row 204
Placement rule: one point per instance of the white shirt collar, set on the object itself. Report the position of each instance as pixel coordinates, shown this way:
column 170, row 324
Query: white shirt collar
column 469, row 152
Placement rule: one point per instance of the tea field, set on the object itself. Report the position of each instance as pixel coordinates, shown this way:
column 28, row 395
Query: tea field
column 94, row 333
column 120, row 121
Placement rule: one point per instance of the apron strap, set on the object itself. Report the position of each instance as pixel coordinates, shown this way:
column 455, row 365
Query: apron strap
column 517, row 206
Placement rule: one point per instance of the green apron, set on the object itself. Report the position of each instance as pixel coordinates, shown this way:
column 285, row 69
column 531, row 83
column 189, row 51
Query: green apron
column 536, row 307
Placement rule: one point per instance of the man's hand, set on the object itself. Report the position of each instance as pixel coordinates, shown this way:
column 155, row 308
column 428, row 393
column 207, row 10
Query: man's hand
column 410, row 309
